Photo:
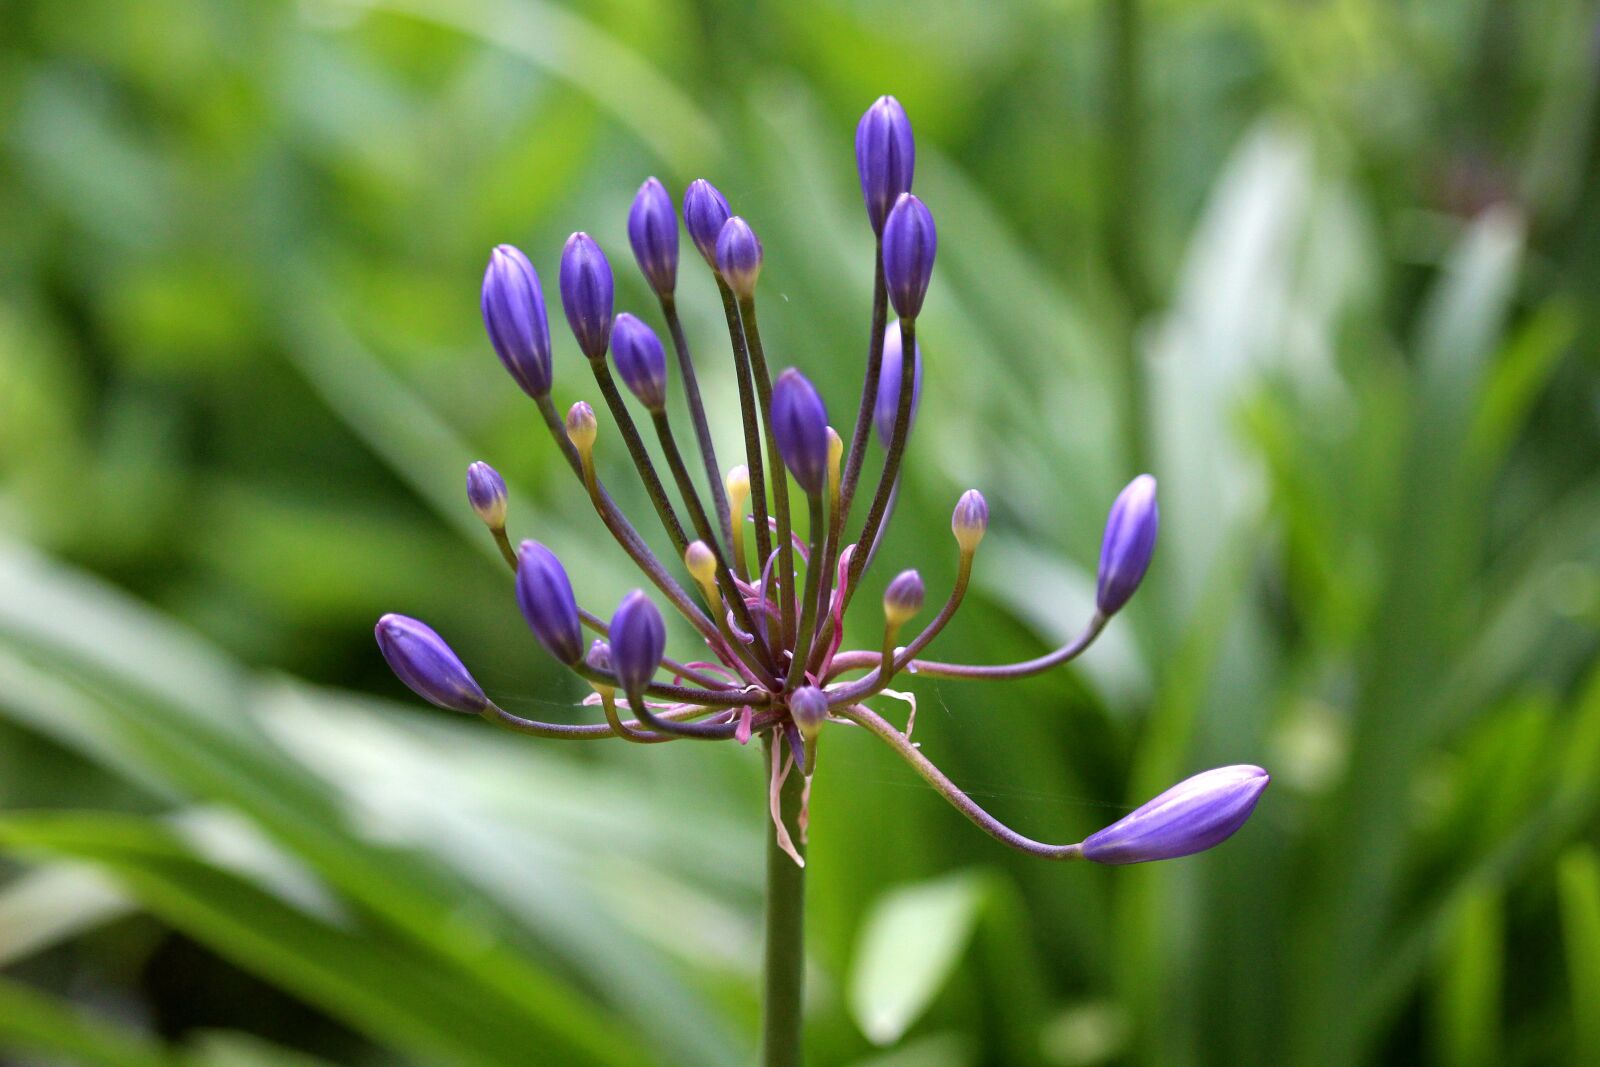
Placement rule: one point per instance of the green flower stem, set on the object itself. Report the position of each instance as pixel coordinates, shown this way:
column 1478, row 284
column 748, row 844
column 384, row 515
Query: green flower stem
column 697, row 415
column 752, row 428
column 640, row 455
column 780, row 479
column 808, row 616
column 702, row 527
column 784, row 962
column 891, row 463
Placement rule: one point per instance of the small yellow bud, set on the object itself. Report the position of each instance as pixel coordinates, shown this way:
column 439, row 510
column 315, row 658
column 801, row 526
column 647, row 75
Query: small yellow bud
column 700, row 561
column 738, row 486
column 835, row 453
column 582, row 428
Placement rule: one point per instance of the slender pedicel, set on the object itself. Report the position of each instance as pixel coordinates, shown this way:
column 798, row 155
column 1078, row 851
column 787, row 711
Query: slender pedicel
column 890, row 478
column 755, row 470
column 996, row 829
column 697, row 416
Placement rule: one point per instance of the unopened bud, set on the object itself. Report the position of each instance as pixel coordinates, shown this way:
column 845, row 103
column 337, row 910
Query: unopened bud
column 486, row 492
column 738, row 485
column 582, row 428
column 701, row 562
column 970, row 520
column 903, row 598
column 808, row 707
column 1192, row 816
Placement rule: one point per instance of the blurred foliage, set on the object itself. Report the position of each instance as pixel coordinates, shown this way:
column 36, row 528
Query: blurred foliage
column 1326, row 268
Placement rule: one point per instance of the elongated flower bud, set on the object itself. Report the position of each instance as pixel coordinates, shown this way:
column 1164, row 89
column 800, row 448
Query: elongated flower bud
column 641, row 361
column 700, row 562
column 737, row 483
column 638, row 641
column 586, row 294
column 886, row 156
column 545, row 596
column 1129, row 542
column 800, row 423
column 909, row 244
column 970, row 520
column 420, row 658
column 739, row 256
column 486, row 492
column 1190, row 817
column 514, row 315
column 903, row 598
column 704, row 212
column 599, row 658
column 888, row 406
column 808, row 706
column 653, row 233
column 582, row 427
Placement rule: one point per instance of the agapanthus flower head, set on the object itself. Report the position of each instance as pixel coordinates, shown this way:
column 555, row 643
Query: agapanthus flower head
column 641, row 361
column 486, row 492
column 653, row 233
column 772, row 584
column 1190, row 817
column 704, row 212
column 1130, row 541
column 514, row 315
column 587, row 294
column 638, row 641
column 420, row 658
column 909, row 244
column 544, row 593
column 886, row 157
column 582, row 427
column 739, row 257
column 888, row 405
column 903, row 597
column 800, row 424
column 970, row 520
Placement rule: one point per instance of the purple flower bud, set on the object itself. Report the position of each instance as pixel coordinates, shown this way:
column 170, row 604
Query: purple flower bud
column 638, row 640
column 800, row 423
column 886, row 156
column 808, row 706
column 704, row 212
column 903, row 597
column 599, row 656
column 641, row 361
column 1129, row 542
column 513, row 313
column 909, row 244
column 888, row 406
column 586, row 293
column 970, row 520
column 653, row 233
column 739, row 256
column 486, row 492
column 1190, row 817
column 420, row 658
column 545, row 596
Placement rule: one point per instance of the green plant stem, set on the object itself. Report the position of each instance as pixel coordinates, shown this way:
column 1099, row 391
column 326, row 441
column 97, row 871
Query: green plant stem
column 784, row 964
column 752, row 427
column 780, row 479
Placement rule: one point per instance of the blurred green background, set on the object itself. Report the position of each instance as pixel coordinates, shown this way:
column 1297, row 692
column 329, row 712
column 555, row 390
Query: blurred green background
column 1327, row 268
